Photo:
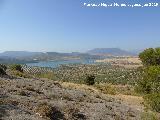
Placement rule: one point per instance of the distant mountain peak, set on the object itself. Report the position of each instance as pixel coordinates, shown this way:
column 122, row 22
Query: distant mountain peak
column 110, row 51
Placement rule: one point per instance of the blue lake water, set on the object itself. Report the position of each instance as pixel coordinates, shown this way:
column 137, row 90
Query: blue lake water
column 55, row 64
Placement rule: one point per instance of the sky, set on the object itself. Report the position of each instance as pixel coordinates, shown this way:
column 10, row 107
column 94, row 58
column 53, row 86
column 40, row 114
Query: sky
column 68, row 25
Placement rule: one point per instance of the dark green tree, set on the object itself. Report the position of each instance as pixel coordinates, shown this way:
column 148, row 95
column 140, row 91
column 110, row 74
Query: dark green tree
column 150, row 56
column 90, row 80
column 150, row 84
column 151, row 80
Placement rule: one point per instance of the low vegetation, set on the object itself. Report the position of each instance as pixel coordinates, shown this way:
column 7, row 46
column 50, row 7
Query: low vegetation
column 151, row 80
column 149, row 86
column 106, row 88
column 2, row 71
column 49, row 75
column 153, row 101
column 104, row 73
column 16, row 67
column 149, row 115
column 4, row 67
column 44, row 110
column 19, row 74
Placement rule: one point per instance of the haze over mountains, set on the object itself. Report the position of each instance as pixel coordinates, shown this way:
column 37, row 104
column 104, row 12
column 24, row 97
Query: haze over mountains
column 97, row 53
column 16, row 54
column 111, row 51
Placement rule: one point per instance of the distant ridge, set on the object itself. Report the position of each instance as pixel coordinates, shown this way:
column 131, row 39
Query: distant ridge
column 110, row 52
column 25, row 56
column 17, row 54
column 97, row 53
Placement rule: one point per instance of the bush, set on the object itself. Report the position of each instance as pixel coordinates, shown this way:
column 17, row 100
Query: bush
column 90, row 80
column 19, row 74
column 16, row 67
column 150, row 82
column 150, row 56
column 4, row 67
column 143, row 86
column 2, row 71
column 153, row 101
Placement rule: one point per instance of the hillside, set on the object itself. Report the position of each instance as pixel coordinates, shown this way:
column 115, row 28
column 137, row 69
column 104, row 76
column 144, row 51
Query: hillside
column 43, row 99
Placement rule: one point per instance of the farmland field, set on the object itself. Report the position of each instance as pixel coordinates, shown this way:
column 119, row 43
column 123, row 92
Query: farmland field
column 104, row 73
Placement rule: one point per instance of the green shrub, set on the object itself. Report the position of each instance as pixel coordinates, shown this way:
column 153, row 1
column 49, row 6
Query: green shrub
column 2, row 71
column 16, row 67
column 150, row 56
column 90, row 80
column 19, row 74
column 4, row 67
column 143, row 86
column 153, row 101
column 150, row 82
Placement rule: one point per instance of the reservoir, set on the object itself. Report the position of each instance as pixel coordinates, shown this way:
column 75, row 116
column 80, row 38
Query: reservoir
column 55, row 64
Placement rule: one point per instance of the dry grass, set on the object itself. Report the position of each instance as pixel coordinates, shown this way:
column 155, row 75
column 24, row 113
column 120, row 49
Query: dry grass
column 135, row 101
column 8, row 101
column 48, row 112
column 106, row 88
column 102, row 88
column 82, row 87
column 44, row 110
column 116, row 91
column 128, row 62
column 149, row 115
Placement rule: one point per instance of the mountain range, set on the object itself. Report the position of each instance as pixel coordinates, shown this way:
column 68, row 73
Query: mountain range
column 111, row 52
column 97, row 53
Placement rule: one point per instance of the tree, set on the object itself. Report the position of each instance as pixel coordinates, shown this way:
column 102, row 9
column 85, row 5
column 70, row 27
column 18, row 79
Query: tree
column 150, row 84
column 151, row 80
column 150, row 56
column 90, row 80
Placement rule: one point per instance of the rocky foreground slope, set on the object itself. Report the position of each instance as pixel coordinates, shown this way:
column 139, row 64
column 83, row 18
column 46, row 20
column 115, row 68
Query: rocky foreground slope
column 42, row 99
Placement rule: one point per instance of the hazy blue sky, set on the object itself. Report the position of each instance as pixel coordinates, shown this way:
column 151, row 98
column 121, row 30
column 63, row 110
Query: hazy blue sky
column 67, row 25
